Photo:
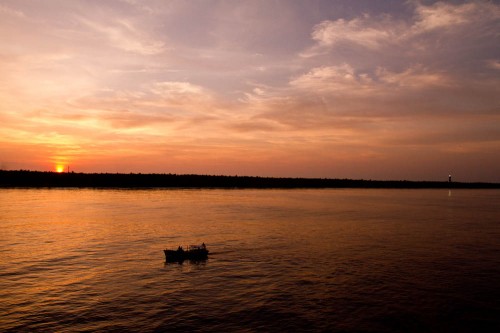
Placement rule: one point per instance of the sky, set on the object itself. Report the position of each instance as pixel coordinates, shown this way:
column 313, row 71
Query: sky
column 365, row 89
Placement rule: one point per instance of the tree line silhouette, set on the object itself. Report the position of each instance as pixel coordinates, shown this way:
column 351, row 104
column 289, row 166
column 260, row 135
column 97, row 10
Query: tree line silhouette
column 26, row 178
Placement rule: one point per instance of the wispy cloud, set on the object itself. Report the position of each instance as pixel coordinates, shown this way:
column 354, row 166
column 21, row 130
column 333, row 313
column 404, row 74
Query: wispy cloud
column 495, row 64
column 182, row 93
column 12, row 12
column 375, row 32
column 124, row 35
column 364, row 31
column 443, row 15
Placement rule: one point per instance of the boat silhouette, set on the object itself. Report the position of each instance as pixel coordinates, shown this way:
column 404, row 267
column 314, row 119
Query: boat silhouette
column 193, row 252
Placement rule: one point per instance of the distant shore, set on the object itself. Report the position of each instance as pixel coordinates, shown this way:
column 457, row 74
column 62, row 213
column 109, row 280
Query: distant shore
column 39, row 179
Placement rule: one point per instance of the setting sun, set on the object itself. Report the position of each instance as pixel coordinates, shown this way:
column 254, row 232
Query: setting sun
column 59, row 168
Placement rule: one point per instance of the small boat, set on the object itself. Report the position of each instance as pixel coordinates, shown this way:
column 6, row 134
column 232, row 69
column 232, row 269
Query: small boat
column 193, row 252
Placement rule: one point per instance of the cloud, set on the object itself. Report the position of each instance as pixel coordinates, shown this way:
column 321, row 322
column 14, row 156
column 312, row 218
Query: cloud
column 469, row 131
column 166, row 95
column 129, row 119
column 340, row 78
column 415, row 77
column 168, row 106
column 376, row 32
column 181, row 93
column 345, row 80
column 495, row 64
column 124, row 35
column 442, row 15
column 436, row 63
column 349, row 105
column 362, row 31
column 12, row 12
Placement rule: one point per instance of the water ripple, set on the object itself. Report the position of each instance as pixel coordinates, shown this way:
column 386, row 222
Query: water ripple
column 325, row 260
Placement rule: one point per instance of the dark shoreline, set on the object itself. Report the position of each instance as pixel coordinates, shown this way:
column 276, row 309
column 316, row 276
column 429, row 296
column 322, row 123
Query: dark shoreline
column 39, row 179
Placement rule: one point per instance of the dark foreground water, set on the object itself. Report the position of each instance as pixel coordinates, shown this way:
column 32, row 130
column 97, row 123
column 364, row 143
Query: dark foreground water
column 282, row 260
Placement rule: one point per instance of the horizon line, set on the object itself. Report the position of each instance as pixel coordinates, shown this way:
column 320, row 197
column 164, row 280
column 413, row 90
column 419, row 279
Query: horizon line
column 442, row 182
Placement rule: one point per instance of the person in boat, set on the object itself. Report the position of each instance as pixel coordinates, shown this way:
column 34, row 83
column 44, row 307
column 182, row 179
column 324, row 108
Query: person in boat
column 180, row 249
column 203, row 246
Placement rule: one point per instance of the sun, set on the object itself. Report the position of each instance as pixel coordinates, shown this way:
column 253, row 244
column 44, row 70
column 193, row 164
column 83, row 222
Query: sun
column 59, row 168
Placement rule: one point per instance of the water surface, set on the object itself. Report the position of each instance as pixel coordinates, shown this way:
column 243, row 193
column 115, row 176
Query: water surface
column 341, row 260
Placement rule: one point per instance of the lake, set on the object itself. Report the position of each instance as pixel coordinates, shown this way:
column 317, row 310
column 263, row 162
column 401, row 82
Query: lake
column 337, row 260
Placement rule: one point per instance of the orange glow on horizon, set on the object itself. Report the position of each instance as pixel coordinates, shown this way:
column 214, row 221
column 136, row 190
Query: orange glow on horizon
column 59, row 168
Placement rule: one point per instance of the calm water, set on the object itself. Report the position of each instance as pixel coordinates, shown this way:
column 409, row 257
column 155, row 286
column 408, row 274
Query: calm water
column 342, row 260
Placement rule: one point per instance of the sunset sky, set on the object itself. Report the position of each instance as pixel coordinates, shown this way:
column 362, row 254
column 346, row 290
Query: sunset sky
column 339, row 89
